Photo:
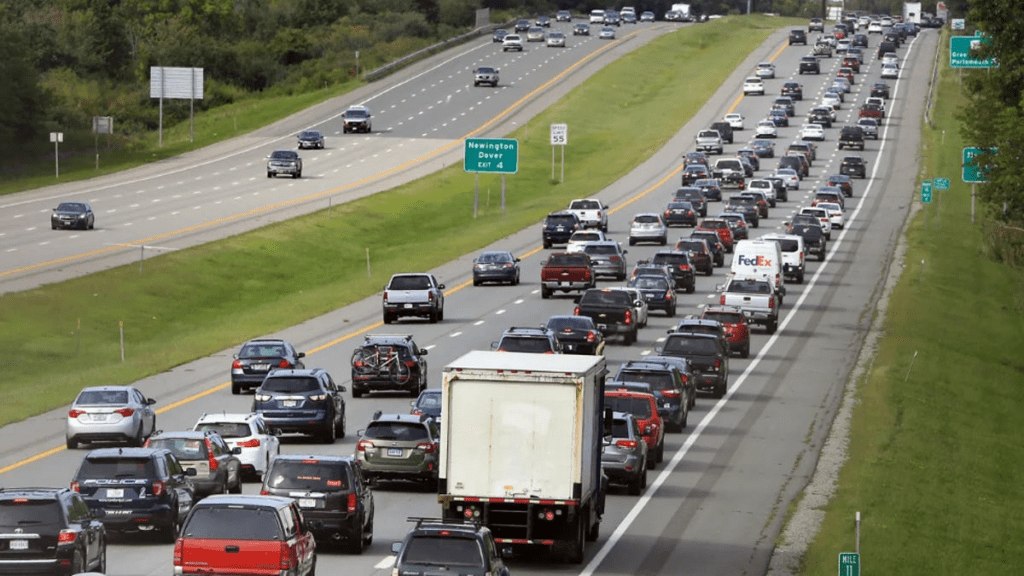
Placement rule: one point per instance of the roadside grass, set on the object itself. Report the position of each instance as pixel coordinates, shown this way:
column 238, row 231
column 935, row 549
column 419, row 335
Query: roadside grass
column 189, row 304
column 936, row 461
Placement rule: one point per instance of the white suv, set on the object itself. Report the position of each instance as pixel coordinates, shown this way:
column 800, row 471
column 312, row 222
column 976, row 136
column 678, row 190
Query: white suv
column 258, row 442
column 512, row 42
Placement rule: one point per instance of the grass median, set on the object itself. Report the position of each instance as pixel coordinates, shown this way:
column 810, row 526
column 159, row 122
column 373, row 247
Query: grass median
column 189, row 304
column 935, row 461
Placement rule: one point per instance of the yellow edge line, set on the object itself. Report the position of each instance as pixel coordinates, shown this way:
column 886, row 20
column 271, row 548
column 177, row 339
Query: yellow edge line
column 350, row 335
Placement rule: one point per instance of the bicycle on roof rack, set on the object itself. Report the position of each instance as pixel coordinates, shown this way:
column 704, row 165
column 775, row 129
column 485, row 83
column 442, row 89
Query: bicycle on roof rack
column 382, row 360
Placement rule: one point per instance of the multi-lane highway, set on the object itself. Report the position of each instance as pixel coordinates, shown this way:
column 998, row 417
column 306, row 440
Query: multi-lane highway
column 717, row 503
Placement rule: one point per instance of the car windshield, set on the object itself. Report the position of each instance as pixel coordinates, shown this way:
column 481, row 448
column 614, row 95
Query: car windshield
column 262, row 351
column 638, row 407
column 659, row 380
column 227, row 522
column 290, row 385
column 409, row 283
column 310, row 135
column 356, row 113
column 309, row 474
column 397, row 431
column 485, row 70
column 102, row 397
column 429, row 400
column 443, row 551
column 71, row 207
column 18, row 513
column 284, row 155
column 182, row 448
column 123, row 467
column 686, row 346
column 227, row 429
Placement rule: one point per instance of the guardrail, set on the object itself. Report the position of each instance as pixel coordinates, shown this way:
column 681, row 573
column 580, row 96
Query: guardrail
column 423, row 52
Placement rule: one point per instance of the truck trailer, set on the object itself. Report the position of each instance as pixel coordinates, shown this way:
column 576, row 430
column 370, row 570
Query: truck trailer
column 521, row 438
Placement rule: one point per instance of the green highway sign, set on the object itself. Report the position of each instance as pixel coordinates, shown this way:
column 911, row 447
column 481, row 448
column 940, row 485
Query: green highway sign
column 926, row 191
column 960, row 52
column 849, row 564
column 972, row 173
column 495, row 155
column 941, row 183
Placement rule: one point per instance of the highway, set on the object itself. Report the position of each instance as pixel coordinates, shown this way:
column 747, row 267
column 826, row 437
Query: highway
column 717, row 504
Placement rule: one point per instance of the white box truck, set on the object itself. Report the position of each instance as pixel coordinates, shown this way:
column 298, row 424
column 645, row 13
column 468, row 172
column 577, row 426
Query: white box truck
column 521, row 438
column 912, row 12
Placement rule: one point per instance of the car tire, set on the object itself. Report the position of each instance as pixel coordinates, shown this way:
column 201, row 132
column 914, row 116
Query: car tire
column 745, row 353
column 821, row 255
column 660, row 455
column 545, row 293
column 476, row 282
column 547, row 244
column 772, row 326
column 433, row 317
column 328, row 435
column 709, row 271
column 691, row 289
column 670, row 312
column 236, row 388
column 387, row 318
column 685, row 409
column 357, row 392
column 269, row 175
column 138, row 439
column 632, row 241
column 339, row 430
column 440, row 314
column 171, row 531
column 630, row 337
column 720, row 390
column 664, row 240
column 636, row 486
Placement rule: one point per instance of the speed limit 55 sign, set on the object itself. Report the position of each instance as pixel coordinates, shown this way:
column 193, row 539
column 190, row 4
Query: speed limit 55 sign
column 559, row 134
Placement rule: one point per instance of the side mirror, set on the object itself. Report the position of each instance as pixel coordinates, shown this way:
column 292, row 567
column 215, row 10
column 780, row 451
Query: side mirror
column 150, row 401
column 494, row 345
column 440, row 286
column 342, row 389
column 301, row 355
column 190, row 472
column 659, row 349
column 361, row 432
column 423, row 352
column 236, row 450
column 396, row 547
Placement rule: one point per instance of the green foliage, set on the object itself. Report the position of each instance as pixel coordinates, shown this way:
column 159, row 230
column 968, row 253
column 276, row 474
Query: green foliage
column 24, row 103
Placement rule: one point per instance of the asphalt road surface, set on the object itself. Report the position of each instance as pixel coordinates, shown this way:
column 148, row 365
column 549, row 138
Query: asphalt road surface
column 716, row 504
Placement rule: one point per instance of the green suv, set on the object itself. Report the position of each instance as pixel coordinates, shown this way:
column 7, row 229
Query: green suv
column 399, row 447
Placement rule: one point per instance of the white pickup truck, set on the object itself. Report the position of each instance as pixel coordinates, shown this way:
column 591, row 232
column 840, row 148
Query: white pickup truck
column 413, row 295
column 756, row 297
column 592, row 213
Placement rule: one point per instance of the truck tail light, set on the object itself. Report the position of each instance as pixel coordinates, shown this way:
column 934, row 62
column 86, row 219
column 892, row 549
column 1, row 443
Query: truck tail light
column 430, row 296
column 179, row 546
column 670, row 393
column 385, row 297
column 627, row 317
column 771, row 302
column 352, row 503
column 158, row 488
column 288, row 559
column 66, row 536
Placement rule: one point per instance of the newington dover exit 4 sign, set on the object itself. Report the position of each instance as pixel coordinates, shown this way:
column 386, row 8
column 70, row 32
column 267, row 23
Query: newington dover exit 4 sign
column 494, row 155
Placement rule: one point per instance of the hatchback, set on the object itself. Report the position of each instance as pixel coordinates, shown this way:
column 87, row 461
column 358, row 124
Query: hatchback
column 110, row 414
column 680, row 213
column 467, row 547
column 608, row 258
column 644, row 408
column 737, row 331
column 218, row 469
column 577, row 334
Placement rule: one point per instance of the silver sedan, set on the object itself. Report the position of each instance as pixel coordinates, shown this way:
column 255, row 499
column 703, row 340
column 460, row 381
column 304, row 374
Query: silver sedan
column 112, row 414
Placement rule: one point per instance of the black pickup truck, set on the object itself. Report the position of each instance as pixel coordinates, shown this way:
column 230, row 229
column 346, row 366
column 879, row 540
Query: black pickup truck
column 611, row 311
column 708, row 355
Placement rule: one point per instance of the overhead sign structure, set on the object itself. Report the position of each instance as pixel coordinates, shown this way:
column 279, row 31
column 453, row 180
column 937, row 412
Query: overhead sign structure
column 492, row 155
column 960, row 48
column 972, row 173
column 926, row 197
column 849, row 564
column 941, row 183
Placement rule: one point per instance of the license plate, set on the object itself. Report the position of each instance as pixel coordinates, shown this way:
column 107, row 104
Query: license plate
column 563, row 283
column 19, row 544
column 99, row 417
column 748, row 313
column 260, row 366
column 289, row 403
column 115, row 492
column 307, row 503
column 408, row 305
column 395, row 452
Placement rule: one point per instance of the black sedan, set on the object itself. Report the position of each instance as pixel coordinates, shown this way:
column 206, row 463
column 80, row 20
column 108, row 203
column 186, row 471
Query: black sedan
column 577, row 334
column 311, row 139
column 73, row 215
column 496, row 266
column 499, row 34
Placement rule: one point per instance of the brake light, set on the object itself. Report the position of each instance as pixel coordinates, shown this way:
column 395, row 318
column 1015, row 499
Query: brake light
column 590, row 336
column 210, row 456
column 577, row 311
column 626, row 443
column 363, row 445
column 686, row 379
column 254, row 443
column 722, row 300
column 385, row 297
column 179, row 546
column 75, row 413
column 430, row 296
column 288, row 558
column 771, row 301
column 358, row 363
column 667, row 213
column 684, row 267
column 668, row 294
column 627, row 317
column 66, row 536
column 427, row 447
column 236, row 365
column 352, row 503
column 158, row 487
column 264, row 492
column 75, row 486
column 671, row 393
column 284, row 364
column 718, row 363
column 126, row 412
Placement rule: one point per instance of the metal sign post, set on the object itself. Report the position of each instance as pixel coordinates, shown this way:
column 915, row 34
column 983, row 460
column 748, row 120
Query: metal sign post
column 56, row 138
column 559, row 137
column 492, row 155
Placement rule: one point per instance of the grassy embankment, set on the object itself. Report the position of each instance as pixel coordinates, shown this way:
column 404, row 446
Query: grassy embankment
column 936, row 460
column 188, row 304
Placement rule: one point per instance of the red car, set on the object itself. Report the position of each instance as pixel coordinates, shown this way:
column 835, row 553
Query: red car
column 644, row 409
column 720, row 227
column 737, row 331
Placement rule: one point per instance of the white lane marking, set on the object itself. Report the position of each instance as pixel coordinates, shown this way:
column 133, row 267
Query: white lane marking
column 454, row 334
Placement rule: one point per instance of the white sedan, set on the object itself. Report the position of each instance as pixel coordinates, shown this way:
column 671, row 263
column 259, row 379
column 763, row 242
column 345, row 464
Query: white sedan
column 735, row 120
column 835, row 213
column 789, row 176
column 765, row 70
column 766, row 129
column 832, row 99
column 812, row 132
column 753, row 85
column 890, row 71
column 247, row 432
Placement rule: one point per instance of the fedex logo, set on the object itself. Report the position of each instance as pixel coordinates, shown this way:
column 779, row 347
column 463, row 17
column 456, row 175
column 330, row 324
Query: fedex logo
column 756, row 261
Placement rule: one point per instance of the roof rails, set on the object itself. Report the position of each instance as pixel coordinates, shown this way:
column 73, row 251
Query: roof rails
column 420, row 520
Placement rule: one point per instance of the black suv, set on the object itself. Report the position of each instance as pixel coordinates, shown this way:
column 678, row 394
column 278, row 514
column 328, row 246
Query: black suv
column 577, row 334
column 810, row 65
column 707, row 353
column 303, row 401
column 140, row 489
column 672, row 389
column 809, row 228
column 851, row 137
column 794, row 90
column 854, row 166
column 434, row 543
column 725, row 129
column 534, row 340
column 257, row 358
column 50, row 531
column 334, row 496
column 679, row 264
column 558, row 227
column 797, row 36
column 388, row 362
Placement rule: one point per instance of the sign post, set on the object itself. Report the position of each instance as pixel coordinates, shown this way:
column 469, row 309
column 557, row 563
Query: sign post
column 849, row 564
column 559, row 137
column 926, row 191
column 56, row 138
column 494, row 156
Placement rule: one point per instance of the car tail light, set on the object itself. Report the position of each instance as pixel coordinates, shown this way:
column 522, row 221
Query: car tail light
column 684, row 267
column 352, row 503
column 264, row 492
column 363, row 445
column 577, row 311
column 288, row 559
column 75, row 486
column 614, row 259
column 236, row 365
column 158, row 487
column 670, row 393
column 771, row 301
column 427, row 447
column 685, row 378
column 668, row 294
column 626, row 443
column 430, row 296
column 254, row 443
column 211, row 457
column 179, row 546
column 591, row 336
column 722, row 300
column 66, row 536
column 318, row 397
column 385, row 297
column 718, row 363
column 627, row 317
column 75, row 413
column 667, row 213
column 284, row 364
column 126, row 412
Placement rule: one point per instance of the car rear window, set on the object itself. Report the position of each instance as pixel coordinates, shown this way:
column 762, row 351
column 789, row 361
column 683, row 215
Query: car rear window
column 183, row 448
column 606, row 297
column 308, row 475
column 410, row 283
column 564, row 220
column 27, row 514
column 102, row 397
column 585, row 205
column 685, row 346
column 524, row 344
column 226, row 429
column 261, row 351
column 620, row 428
column 724, row 317
column 649, row 283
column 575, row 322
column 123, row 467
column 287, row 384
column 567, row 260
column 236, row 522
column 443, row 551
column 670, row 259
column 749, row 287
column 659, row 380
column 598, row 249
column 788, row 245
column 398, row 431
column 646, row 219
column 638, row 407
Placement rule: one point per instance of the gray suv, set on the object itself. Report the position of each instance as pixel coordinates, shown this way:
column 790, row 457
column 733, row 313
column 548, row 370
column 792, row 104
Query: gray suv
column 284, row 162
column 218, row 469
column 485, row 75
